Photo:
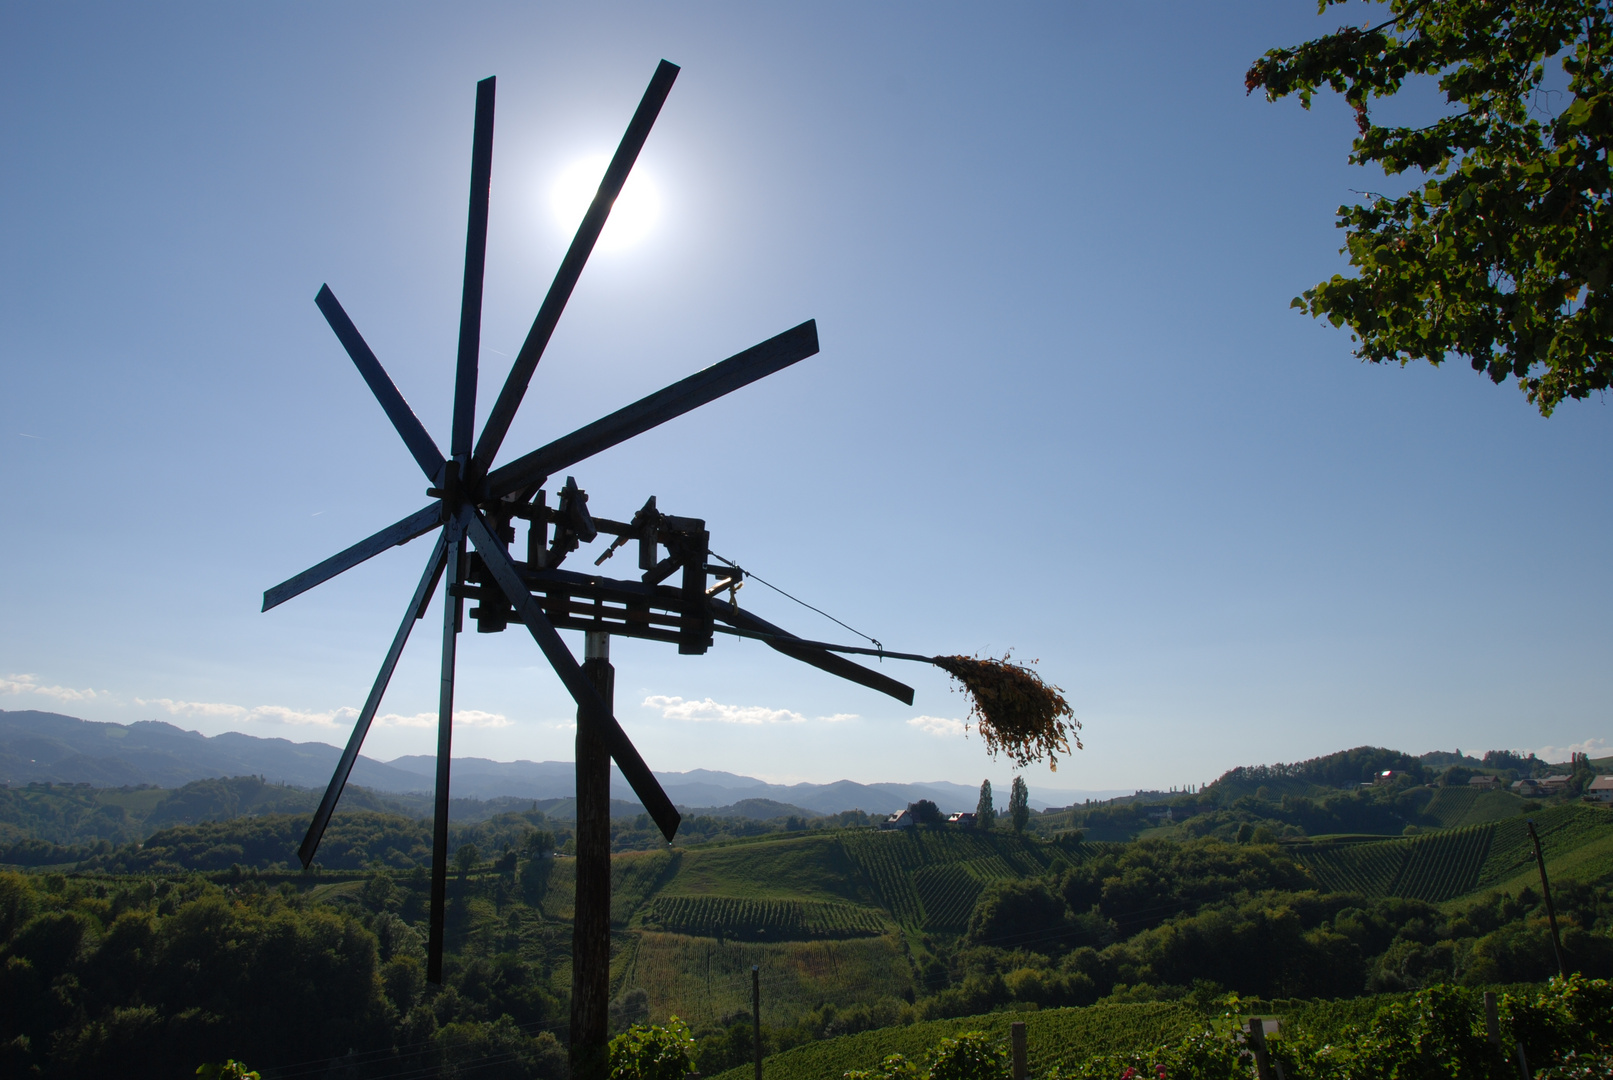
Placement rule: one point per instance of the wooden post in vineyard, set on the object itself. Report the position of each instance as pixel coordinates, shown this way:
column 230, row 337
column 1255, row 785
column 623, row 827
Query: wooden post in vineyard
column 1257, row 1040
column 756, row 1016
column 1551, row 910
column 1016, row 1042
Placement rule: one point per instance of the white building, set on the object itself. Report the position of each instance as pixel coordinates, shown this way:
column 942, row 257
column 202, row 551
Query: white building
column 1601, row 788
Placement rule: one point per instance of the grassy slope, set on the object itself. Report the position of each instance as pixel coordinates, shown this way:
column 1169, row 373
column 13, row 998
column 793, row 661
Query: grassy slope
column 1053, row 1037
column 704, row 980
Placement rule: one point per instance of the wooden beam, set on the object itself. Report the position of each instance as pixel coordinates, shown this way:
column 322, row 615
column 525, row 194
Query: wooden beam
column 739, row 370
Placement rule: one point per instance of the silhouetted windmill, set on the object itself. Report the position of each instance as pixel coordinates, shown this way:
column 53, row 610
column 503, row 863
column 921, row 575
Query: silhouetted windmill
column 473, row 501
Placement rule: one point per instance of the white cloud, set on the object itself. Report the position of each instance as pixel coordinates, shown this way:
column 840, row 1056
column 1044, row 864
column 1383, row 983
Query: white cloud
column 939, row 726
column 419, row 719
column 838, row 718
column 332, row 718
column 28, row 684
column 1590, row 747
column 477, row 718
column 264, row 714
column 196, row 708
column 279, row 714
column 675, row 708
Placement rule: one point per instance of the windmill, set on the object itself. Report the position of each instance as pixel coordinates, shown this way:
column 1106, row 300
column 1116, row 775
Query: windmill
column 475, row 504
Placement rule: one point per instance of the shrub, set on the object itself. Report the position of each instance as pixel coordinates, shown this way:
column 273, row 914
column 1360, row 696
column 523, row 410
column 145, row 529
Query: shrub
column 968, row 1057
column 971, row 1056
column 652, row 1052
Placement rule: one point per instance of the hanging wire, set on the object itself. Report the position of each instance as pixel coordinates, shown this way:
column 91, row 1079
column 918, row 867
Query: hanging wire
column 752, row 575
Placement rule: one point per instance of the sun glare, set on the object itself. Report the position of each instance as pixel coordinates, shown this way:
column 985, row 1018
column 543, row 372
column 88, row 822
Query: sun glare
column 631, row 218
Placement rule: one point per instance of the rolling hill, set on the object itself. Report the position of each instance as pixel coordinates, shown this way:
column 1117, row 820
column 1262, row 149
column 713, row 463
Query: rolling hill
column 41, row 747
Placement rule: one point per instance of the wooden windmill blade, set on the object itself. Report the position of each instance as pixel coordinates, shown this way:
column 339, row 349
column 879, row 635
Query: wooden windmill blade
column 705, row 386
column 453, row 543
column 410, row 429
column 565, row 279
column 361, row 727
column 470, row 305
column 394, row 535
column 807, row 652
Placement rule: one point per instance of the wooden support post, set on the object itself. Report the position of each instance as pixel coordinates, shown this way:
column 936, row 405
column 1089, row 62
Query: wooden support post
column 1016, row 1043
column 1551, row 911
column 756, row 1016
column 695, row 637
column 1257, row 1041
column 537, row 537
column 590, row 933
column 453, row 610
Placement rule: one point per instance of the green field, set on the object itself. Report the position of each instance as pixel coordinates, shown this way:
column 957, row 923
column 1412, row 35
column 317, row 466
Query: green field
column 1054, row 1037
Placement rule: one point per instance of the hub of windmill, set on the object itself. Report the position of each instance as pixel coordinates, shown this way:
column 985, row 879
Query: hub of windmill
column 647, row 608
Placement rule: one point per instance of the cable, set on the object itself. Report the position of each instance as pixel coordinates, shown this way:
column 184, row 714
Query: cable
column 879, row 644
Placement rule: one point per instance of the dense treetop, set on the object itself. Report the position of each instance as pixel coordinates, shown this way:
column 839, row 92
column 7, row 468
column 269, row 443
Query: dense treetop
column 1501, row 249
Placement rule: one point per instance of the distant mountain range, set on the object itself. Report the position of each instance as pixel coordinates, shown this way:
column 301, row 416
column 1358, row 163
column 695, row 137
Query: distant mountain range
column 42, row 746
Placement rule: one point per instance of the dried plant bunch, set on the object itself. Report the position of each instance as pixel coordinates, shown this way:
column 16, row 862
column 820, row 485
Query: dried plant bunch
column 1015, row 710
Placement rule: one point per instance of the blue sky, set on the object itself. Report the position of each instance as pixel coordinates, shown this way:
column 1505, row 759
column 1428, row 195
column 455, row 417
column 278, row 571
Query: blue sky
column 1062, row 405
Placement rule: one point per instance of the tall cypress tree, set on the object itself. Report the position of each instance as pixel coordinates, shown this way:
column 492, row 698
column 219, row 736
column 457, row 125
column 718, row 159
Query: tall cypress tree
column 985, row 809
column 1019, row 804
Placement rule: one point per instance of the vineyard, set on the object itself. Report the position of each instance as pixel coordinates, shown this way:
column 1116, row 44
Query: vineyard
column 1433, row 868
column 761, row 920
column 931, row 879
column 703, row 980
column 1450, row 805
column 1562, row 830
column 948, row 894
column 1445, row 865
column 1055, row 1038
column 1368, row 869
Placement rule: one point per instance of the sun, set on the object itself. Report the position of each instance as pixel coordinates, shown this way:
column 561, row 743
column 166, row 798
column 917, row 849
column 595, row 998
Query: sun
column 631, row 219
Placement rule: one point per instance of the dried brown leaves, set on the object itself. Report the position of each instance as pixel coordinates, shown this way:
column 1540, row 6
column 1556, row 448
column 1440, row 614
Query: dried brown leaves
column 1016, row 712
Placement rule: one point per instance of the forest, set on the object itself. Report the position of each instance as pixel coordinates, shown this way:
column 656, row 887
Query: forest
column 204, row 942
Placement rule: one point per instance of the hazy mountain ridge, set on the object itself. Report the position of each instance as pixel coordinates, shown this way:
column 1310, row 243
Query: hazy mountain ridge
column 41, row 746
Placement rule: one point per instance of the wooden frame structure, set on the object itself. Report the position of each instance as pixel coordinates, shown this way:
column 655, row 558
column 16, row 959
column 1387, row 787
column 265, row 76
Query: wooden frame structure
column 475, row 509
